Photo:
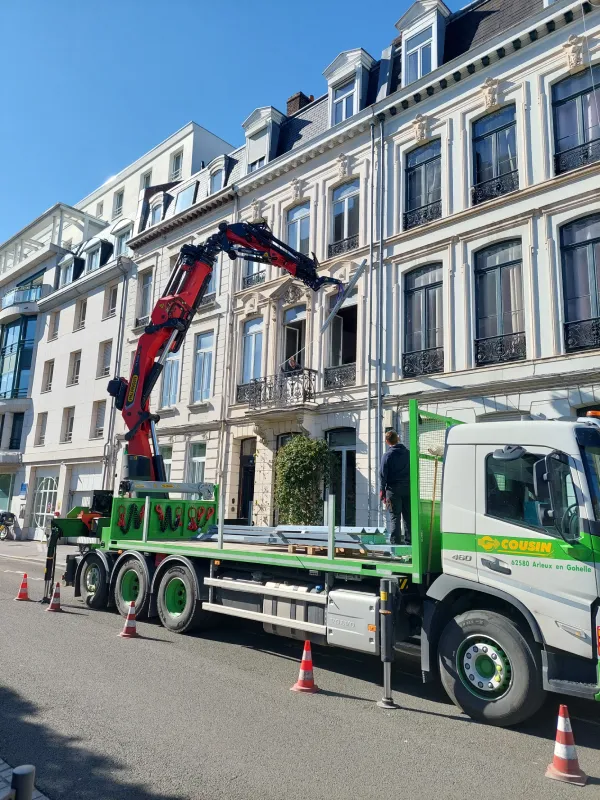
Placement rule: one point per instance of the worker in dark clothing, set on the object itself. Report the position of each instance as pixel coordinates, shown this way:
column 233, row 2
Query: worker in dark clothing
column 395, row 487
column 291, row 365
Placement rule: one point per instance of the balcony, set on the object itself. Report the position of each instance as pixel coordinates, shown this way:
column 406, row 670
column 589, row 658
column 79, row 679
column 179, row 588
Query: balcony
column 500, row 349
column 583, row 335
column 279, row 391
column 423, row 362
column 496, row 187
column 576, row 157
column 255, row 279
column 21, row 301
column 423, row 215
column 339, row 377
column 11, row 457
column 141, row 322
column 343, row 246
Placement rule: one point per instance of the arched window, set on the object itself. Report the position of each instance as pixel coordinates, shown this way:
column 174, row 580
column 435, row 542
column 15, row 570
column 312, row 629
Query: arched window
column 44, row 501
column 580, row 248
column 423, row 321
column 499, row 304
column 576, row 110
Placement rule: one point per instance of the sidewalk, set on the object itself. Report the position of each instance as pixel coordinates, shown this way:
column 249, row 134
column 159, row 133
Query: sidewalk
column 6, row 775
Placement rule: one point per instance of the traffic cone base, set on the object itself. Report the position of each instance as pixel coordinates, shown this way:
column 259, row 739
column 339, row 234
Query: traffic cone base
column 305, row 682
column 565, row 764
column 129, row 629
column 55, row 602
column 23, row 590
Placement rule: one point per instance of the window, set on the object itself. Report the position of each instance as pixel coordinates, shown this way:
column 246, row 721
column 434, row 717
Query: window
column 93, row 260
column 298, row 227
column 74, row 368
column 16, row 431
column 418, row 55
column 494, row 155
column 6, row 491
column 343, row 102
column 345, row 218
column 167, row 454
column 66, row 274
column 423, row 185
column 343, row 339
column 499, row 304
column 216, row 181
column 254, row 165
column 40, row 430
column 121, row 240
column 104, row 359
column 146, row 180
column 156, row 214
column 254, row 273
column 185, row 198
column 99, row 210
column 576, row 109
column 342, row 477
column 580, row 250
column 294, row 332
column 170, row 384
column 48, row 375
column 197, row 465
column 110, row 301
column 44, row 501
column 203, row 366
column 252, row 350
column 145, row 297
column 118, row 203
column 80, row 312
column 16, row 357
column 176, row 165
column 98, row 416
column 423, row 321
column 68, row 422
column 53, row 324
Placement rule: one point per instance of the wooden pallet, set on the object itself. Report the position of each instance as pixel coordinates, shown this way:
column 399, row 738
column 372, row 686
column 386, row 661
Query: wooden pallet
column 320, row 550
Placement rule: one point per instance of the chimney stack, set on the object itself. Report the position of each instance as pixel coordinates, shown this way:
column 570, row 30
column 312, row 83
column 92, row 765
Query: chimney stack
column 298, row 101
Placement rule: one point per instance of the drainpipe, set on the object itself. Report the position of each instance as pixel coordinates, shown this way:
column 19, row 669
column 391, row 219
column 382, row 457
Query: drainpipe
column 370, row 329
column 379, row 321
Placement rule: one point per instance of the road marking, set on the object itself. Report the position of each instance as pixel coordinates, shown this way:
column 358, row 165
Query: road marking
column 589, row 721
column 41, row 561
column 18, row 572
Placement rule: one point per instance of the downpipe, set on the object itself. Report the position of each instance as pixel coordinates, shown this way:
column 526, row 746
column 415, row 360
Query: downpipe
column 370, row 331
column 379, row 323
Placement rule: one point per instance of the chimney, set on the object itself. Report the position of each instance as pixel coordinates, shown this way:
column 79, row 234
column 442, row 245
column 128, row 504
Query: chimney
column 298, row 101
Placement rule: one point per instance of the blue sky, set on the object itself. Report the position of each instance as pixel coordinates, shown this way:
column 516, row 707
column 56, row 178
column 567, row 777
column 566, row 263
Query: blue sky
column 88, row 87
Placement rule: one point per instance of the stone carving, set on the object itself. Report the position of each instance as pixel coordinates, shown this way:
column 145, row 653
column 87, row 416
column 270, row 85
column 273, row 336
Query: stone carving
column 420, row 125
column 296, row 190
column 573, row 48
column 261, row 434
column 256, row 207
column 343, row 166
column 292, row 295
column 250, row 306
column 490, row 93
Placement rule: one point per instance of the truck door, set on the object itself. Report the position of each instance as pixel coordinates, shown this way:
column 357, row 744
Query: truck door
column 529, row 559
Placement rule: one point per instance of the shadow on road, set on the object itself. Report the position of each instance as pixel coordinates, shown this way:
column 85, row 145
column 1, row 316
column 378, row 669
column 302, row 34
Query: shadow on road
column 64, row 768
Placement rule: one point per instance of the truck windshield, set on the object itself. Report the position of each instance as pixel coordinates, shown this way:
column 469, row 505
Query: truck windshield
column 591, row 461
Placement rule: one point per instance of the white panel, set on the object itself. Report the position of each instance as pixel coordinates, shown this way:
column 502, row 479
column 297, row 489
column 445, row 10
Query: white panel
column 86, row 478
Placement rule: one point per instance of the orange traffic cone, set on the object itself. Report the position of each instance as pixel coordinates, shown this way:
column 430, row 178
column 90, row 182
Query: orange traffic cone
column 305, row 682
column 129, row 630
column 23, row 591
column 565, row 764
column 55, row 602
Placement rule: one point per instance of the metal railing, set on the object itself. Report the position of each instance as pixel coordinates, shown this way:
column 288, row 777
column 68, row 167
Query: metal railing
column 582, row 335
column 338, row 377
column 499, row 349
column 423, row 362
column 276, row 391
column 343, row 246
column 495, row 187
column 254, row 279
column 422, row 215
column 142, row 321
column 31, row 295
column 579, row 156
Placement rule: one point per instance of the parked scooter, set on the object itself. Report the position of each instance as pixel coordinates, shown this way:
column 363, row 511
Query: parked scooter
column 7, row 525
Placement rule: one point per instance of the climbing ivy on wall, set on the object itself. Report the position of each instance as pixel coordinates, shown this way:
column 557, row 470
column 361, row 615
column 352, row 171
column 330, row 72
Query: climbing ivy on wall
column 301, row 469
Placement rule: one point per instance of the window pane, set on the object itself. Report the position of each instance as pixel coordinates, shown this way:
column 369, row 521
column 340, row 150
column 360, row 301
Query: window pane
column 506, row 151
column 298, row 211
column 567, row 126
column 338, row 112
column 352, row 203
column 487, row 311
column 491, row 122
column 577, row 285
column 337, row 326
column 426, row 60
column 294, row 314
column 343, row 437
column 345, row 190
column 247, row 359
column 590, row 106
column 293, row 234
column 509, row 489
column 414, row 322
column 304, row 243
column 420, row 38
column 338, row 222
column 575, row 84
column 342, row 91
column 424, row 277
column 512, row 299
column 257, row 355
column 498, row 254
column 484, row 160
column 349, row 106
column 433, row 181
column 412, row 63
column 425, row 153
column 582, row 230
column 434, row 317
column 253, row 326
column 415, row 180
column 185, row 198
column 216, row 181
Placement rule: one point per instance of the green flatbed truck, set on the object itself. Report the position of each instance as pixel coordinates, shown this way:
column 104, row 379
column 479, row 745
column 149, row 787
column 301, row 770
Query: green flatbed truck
column 501, row 583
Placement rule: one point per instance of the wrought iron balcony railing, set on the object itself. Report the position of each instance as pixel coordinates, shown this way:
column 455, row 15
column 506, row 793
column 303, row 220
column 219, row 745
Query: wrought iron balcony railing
column 279, row 391
column 582, row 335
column 14, row 443
column 254, row 279
column 422, row 215
column 498, row 349
column 423, row 362
column 343, row 246
column 338, row 377
column 496, row 187
column 579, row 156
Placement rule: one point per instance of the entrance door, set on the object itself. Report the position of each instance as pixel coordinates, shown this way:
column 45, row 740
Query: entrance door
column 44, row 503
column 342, row 443
column 531, row 561
column 247, row 467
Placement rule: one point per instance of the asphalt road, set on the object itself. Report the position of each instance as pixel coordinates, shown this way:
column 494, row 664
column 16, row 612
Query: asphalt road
column 209, row 718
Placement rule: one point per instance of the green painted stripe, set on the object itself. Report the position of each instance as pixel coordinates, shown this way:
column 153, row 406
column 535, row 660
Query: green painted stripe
column 515, row 546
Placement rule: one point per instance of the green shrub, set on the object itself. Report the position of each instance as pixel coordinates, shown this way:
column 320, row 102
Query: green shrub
column 301, row 470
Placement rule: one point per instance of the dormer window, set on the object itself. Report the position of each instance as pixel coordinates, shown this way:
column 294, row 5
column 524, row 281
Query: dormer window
column 216, row 181
column 422, row 28
column 155, row 214
column 418, row 55
column 262, row 134
column 343, row 101
column 260, row 162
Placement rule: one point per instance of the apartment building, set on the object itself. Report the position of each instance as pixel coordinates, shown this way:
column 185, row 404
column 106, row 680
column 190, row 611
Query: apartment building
column 463, row 164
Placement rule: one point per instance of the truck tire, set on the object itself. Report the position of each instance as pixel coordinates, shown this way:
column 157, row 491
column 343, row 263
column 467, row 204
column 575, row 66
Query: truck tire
column 132, row 583
column 178, row 604
column 93, row 582
column 489, row 669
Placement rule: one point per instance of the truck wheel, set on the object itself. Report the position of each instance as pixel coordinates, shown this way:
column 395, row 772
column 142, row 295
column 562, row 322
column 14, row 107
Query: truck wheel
column 93, row 582
column 489, row 669
column 179, row 607
column 132, row 584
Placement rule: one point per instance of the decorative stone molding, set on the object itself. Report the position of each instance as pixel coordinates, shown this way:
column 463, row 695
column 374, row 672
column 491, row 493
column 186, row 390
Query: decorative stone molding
column 251, row 305
column 573, row 48
column 293, row 294
column 256, row 207
column 420, row 128
column 343, row 166
column 491, row 93
column 261, row 434
column 296, row 190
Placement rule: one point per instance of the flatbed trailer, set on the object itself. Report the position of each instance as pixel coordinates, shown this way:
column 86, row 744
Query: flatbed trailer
column 500, row 581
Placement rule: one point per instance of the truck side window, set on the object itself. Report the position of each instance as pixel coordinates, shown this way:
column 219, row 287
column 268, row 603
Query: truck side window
column 509, row 490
